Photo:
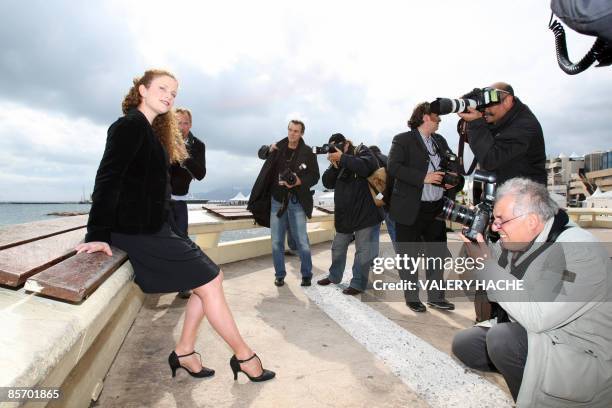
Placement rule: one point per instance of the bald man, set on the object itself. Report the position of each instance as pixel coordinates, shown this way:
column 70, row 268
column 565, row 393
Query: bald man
column 507, row 138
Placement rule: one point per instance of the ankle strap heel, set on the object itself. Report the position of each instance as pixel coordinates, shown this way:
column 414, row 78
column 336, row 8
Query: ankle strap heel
column 264, row 376
column 175, row 364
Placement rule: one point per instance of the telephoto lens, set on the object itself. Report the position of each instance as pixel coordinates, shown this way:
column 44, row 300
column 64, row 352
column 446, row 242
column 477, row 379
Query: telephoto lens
column 444, row 106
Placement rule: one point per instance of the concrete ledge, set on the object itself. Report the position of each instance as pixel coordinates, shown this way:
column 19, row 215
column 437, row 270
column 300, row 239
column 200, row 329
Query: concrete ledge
column 249, row 248
column 45, row 340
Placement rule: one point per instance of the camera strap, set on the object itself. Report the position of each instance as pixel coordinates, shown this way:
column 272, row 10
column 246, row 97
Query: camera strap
column 463, row 140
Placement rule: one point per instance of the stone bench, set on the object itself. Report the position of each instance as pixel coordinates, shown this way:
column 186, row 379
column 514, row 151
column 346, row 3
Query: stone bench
column 68, row 337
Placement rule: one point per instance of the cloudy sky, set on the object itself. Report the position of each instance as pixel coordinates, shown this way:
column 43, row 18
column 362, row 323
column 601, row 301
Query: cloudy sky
column 245, row 68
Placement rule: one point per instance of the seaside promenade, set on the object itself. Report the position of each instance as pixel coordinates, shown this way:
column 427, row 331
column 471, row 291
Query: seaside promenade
column 328, row 349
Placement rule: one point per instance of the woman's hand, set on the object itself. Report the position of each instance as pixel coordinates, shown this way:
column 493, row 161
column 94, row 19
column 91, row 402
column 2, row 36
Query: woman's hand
column 91, row 247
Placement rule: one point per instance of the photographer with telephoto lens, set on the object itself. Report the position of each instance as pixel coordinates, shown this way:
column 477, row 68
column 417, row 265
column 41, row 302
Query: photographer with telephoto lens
column 503, row 133
column 417, row 198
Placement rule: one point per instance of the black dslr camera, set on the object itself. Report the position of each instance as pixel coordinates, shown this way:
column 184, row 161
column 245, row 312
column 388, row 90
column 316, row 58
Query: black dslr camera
column 478, row 219
column 289, row 176
column 328, row 148
column 478, row 98
column 448, row 164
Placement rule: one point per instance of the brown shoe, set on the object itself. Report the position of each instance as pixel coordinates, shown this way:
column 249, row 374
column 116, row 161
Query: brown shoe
column 324, row 282
column 351, row 291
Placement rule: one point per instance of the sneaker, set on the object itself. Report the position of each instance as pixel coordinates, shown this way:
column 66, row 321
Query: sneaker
column 416, row 307
column 279, row 281
column 442, row 305
column 306, row 281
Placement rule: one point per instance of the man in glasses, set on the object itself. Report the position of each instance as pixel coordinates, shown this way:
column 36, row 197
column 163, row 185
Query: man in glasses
column 553, row 344
column 507, row 138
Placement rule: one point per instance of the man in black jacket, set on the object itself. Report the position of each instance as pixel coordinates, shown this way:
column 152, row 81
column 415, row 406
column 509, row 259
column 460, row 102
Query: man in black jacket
column 507, row 138
column 181, row 175
column 417, row 200
column 194, row 167
column 354, row 212
column 282, row 197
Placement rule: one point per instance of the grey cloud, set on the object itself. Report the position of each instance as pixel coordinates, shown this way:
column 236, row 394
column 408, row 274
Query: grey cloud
column 63, row 56
column 234, row 113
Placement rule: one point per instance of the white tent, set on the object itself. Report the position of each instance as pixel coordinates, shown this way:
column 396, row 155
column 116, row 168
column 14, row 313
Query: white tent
column 239, row 199
column 599, row 199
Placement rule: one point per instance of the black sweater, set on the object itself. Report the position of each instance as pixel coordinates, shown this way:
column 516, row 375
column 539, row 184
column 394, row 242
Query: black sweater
column 130, row 191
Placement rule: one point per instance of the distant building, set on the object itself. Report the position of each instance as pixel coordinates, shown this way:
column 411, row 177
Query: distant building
column 601, row 179
column 593, row 161
column 560, row 171
column 564, row 175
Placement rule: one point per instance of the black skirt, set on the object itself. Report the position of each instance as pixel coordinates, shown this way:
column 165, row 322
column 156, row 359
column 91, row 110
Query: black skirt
column 166, row 261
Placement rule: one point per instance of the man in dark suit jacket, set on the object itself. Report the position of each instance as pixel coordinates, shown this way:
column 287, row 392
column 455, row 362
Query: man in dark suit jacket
column 194, row 167
column 417, row 199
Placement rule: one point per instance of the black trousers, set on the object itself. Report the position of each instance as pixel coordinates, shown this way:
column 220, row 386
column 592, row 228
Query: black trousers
column 501, row 348
column 180, row 215
column 427, row 228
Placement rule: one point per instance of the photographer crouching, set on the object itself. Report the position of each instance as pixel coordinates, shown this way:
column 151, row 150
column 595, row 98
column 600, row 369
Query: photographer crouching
column 424, row 169
column 553, row 344
column 354, row 211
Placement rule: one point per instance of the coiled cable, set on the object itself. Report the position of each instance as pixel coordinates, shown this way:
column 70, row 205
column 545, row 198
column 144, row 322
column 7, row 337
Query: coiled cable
column 594, row 54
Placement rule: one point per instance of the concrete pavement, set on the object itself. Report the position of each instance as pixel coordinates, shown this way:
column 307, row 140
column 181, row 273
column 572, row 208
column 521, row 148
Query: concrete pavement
column 313, row 338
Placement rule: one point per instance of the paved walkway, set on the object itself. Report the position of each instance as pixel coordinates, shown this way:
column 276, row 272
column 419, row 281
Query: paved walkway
column 328, row 350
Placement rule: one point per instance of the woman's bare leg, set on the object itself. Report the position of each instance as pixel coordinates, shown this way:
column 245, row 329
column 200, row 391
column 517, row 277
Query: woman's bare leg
column 194, row 313
column 220, row 318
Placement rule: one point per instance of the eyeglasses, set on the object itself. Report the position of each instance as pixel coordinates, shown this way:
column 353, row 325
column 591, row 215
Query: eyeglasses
column 498, row 224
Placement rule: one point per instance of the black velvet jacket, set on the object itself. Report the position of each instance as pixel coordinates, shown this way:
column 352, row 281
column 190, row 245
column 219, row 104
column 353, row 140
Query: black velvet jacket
column 131, row 183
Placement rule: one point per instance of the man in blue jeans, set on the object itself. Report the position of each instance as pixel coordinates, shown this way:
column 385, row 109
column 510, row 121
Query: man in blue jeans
column 354, row 212
column 291, row 170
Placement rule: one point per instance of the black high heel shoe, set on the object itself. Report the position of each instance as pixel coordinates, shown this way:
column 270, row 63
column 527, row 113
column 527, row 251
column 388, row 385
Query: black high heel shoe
column 265, row 374
column 175, row 364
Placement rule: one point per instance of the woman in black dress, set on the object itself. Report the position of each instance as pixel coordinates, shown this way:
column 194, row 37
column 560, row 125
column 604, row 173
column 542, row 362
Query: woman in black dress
column 130, row 209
